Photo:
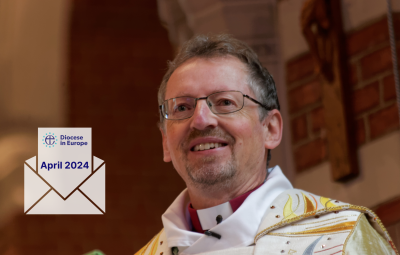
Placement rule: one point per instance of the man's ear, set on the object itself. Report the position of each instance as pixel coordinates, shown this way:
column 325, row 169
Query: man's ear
column 167, row 156
column 273, row 126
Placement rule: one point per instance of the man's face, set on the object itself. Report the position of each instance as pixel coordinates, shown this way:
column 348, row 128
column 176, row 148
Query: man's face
column 236, row 140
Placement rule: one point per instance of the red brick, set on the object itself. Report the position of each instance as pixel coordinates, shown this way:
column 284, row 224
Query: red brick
column 383, row 121
column 360, row 132
column 310, row 154
column 367, row 37
column 299, row 68
column 376, row 62
column 304, row 95
column 366, row 98
column 299, row 128
column 389, row 88
column 388, row 212
column 317, row 119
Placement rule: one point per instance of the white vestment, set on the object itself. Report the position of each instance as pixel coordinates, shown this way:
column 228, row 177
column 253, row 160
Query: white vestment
column 276, row 219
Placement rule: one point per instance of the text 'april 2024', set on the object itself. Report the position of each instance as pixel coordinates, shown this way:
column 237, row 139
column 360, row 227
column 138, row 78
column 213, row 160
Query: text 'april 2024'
column 68, row 165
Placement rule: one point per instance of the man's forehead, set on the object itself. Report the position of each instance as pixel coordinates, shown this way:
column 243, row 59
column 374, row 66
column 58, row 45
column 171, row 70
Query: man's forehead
column 207, row 75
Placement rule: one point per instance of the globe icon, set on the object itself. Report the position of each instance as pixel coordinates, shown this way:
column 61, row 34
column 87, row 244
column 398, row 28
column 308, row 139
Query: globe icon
column 50, row 140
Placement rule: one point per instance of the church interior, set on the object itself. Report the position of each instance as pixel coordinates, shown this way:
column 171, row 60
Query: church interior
column 98, row 64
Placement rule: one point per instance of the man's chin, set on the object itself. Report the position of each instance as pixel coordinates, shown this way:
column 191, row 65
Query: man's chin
column 211, row 174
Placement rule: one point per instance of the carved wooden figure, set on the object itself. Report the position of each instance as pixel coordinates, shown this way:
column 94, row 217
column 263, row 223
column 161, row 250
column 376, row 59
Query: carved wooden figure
column 322, row 27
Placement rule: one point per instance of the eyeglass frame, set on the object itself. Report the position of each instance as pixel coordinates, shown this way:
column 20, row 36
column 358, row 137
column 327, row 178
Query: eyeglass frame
column 200, row 98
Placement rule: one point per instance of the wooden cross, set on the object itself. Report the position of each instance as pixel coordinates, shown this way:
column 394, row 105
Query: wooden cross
column 321, row 23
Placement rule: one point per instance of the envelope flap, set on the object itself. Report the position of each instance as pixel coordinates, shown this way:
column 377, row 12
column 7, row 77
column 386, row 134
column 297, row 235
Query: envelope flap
column 32, row 162
column 54, row 204
column 96, row 162
column 34, row 188
column 95, row 188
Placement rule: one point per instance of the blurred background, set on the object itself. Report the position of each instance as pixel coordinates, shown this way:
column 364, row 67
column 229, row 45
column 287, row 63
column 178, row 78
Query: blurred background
column 96, row 63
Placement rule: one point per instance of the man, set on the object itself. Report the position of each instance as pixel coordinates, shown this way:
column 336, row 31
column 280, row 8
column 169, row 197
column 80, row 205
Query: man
column 219, row 120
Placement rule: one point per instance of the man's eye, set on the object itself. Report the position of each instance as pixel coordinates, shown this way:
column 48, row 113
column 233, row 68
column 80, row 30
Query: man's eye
column 225, row 102
column 181, row 108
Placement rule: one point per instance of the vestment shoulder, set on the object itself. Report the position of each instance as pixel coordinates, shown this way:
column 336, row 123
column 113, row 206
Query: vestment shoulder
column 157, row 245
column 309, row 223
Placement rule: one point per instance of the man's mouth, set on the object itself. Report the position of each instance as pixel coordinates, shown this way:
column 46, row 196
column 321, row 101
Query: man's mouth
column 207, row 146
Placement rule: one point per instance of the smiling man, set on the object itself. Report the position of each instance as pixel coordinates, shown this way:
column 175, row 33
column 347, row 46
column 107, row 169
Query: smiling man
column 219, row 121
column 213, row 134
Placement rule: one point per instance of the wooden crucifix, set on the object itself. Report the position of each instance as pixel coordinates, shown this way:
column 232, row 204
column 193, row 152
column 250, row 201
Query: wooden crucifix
column 321, row 23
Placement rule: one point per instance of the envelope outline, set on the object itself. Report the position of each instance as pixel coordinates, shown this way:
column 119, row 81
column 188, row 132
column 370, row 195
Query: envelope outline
column 100, row 166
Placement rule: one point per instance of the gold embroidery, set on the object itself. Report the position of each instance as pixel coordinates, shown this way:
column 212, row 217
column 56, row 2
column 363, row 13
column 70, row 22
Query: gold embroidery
column 330, row 229
column 316, row 203
column 155, row 244
column 345, row 226
column 308, row 205
column 296, row 236
column 288, row 212
column 291, row 252
column 326, row 202
column 326, row 223
column 362, row 209
column 315, row 222
column 143, row 250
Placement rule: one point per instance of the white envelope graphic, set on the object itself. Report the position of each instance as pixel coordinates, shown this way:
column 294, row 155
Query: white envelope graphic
column 87, row 198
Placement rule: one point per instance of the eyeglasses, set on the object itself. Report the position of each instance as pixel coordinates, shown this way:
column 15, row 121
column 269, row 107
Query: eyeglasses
column 222, row 102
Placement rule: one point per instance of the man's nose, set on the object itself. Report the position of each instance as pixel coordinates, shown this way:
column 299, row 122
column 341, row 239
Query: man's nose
column 203, row 117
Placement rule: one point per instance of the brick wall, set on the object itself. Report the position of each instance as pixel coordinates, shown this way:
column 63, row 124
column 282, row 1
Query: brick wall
column 373, row 98
column 390, row 217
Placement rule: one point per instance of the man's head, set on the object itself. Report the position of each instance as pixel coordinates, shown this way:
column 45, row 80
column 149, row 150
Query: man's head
column 259, row 79
column 242, row 138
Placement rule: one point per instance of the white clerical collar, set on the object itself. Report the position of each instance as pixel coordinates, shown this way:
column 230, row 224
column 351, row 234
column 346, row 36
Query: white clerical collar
column 208, row 217
column 238, row 230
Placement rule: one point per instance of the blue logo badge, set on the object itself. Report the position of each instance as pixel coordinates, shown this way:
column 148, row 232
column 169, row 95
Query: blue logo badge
column 50, row 140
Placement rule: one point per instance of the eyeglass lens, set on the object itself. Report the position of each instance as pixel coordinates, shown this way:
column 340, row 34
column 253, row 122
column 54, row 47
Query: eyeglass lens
column 219, row 103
